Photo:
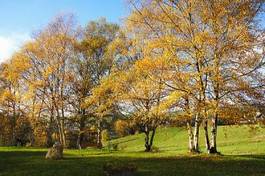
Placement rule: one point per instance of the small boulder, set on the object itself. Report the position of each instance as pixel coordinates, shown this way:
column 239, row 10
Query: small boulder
column 56, row 152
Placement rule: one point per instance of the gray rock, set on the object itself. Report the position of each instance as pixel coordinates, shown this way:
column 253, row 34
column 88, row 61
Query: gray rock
column 56, row 152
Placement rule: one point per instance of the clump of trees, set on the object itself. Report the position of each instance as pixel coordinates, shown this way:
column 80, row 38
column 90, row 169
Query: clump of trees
column 189, row 61
column 48, row 80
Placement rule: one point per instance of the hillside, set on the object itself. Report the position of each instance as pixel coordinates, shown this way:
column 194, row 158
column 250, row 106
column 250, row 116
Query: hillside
column 232, row 140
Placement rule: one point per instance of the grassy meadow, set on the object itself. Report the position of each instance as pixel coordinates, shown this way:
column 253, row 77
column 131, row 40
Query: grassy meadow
column 242, row 148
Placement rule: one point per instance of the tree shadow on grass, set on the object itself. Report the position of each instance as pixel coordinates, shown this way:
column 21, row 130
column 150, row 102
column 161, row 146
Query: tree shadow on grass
column 251, row 156
column 33, row 163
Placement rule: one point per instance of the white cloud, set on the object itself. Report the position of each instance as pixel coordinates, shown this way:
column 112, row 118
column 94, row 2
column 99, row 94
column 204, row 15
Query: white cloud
column 9, row 44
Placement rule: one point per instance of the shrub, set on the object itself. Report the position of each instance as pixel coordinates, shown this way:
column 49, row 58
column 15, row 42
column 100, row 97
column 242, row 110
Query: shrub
column 105, row 136
column 121, row 128
column 115, row 147
column 24, row 132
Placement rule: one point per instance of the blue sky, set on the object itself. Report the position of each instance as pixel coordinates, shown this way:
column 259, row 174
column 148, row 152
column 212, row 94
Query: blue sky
column 19, row 18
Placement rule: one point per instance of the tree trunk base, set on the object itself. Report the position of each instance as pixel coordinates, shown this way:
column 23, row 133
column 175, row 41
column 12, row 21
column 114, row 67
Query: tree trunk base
column 193, row 151
column 148, row 149
column 214, row 151
column 99, row 146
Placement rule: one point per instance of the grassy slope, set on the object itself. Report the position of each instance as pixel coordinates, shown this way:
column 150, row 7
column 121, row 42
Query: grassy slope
column 231, row 140
column 244, row 156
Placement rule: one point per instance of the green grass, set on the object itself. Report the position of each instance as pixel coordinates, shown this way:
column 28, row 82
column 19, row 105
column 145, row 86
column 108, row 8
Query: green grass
column 231, row 140
column 243, row 155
